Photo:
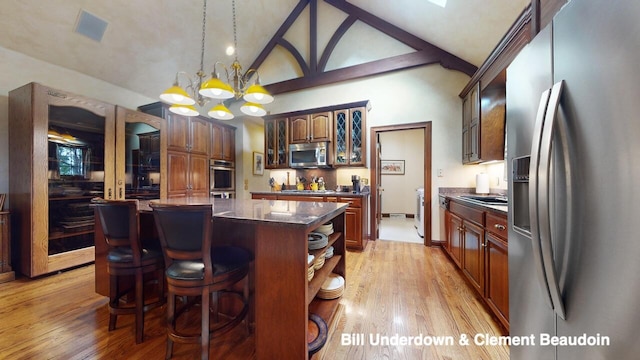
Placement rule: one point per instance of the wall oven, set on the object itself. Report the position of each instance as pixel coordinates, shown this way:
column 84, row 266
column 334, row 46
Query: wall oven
column 222, row 178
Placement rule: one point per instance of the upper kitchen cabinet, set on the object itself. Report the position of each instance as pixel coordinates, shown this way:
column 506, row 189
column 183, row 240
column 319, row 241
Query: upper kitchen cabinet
column 188, row 142
column 223, row 142
column 61, row 155
column 544, row 11
column 188, row 134
column 471, row 126
column 275, row 142
column 310, row 128
column 483, row 99
column 350, row 137
column 141, row 155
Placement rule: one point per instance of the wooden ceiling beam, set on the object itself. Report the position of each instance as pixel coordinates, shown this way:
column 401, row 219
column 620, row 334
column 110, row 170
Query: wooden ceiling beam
column 314, row 73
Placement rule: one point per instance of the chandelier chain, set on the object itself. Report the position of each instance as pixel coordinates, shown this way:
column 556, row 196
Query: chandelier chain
column 235, row 35
column 204, row 28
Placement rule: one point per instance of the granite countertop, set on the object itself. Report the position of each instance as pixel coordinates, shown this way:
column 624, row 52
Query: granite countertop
column 458, row 193
column 313, row 193
column 269, row 211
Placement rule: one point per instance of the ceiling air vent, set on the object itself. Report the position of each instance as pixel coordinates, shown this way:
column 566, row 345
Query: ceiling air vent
column 90, row 26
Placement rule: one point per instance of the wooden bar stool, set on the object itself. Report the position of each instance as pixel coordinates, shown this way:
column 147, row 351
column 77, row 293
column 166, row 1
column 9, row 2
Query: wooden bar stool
column 127, row 257
column 194, row 268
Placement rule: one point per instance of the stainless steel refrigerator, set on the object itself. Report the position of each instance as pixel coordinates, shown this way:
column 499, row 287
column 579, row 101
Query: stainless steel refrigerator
column 573, row 149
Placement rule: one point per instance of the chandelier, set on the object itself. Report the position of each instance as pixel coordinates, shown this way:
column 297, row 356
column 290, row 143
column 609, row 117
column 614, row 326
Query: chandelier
column 201, row 90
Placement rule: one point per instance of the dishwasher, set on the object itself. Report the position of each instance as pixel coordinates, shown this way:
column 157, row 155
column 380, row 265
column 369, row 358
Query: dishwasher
column 419, row 218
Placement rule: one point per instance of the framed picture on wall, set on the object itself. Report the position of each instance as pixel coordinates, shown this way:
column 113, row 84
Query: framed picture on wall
column 258, row 163
column 392, row 167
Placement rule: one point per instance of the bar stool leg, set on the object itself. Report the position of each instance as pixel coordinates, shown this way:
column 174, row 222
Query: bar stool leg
column 204, row 335
column 139, row 307
column 113, row 301
column 171, row 321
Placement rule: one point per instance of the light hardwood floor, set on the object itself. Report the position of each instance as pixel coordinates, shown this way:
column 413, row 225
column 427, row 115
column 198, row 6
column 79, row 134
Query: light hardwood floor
column 392, row 288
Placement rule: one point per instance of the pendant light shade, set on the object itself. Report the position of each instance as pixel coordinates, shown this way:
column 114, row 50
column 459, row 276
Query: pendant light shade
column 216, row 89
column 177, row 96
column 256, row 93
column 220, row 112
column 186, row 110
column 253, row 109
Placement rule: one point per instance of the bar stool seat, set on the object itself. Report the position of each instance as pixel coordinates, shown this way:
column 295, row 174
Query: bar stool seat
column 193, row 268
column 125, row 258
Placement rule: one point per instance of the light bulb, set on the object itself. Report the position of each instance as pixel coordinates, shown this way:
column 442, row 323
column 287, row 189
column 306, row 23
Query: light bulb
column 230, row 50
column 177, row 97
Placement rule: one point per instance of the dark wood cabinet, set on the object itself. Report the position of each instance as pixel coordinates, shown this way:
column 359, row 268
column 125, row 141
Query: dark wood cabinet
column 185, row 173
column 497, row 266
column 497, row 277
column 276, row 143
column 471, row 126
column 454, row 239
column 188, row 134
column 477, row 244
column 349, row 146
column 223, row 140
column 188, row 152
column 310, row 128
column 473, row 258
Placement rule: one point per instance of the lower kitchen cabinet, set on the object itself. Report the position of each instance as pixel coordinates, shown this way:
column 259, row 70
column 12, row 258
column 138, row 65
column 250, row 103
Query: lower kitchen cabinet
column 473, row 258
column 497, row 277
column 477, row 244
column 355, row 223
column 455, row 239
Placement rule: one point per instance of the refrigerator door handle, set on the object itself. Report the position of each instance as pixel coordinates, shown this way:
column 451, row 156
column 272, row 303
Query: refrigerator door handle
column 544, row 220
column 533, row 198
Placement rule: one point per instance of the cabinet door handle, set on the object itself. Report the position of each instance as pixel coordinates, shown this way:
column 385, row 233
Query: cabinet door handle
column 109, row 193
column 499, row 227
column 120, row 196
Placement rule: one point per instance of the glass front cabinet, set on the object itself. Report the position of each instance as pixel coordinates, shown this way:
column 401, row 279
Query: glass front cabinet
column 276, row 144
column 349, row 144
column 63, row 152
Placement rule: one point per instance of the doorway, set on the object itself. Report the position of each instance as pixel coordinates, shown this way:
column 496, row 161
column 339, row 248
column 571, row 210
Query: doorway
column 376, row 176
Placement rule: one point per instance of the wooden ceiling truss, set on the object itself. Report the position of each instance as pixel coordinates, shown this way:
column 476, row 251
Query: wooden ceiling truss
column 314, row 73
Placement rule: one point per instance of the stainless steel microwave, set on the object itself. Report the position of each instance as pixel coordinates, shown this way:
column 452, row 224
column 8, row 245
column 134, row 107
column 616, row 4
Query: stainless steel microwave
column 309, row 155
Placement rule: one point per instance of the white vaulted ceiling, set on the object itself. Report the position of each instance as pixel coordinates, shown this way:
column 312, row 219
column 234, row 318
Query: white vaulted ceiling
column 147, row 41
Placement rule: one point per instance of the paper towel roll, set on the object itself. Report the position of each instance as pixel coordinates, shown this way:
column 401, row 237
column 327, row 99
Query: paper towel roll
column 482, row 183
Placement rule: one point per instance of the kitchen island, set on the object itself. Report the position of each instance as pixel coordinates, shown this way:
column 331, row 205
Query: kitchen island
column 276, row 231
column 356, row 215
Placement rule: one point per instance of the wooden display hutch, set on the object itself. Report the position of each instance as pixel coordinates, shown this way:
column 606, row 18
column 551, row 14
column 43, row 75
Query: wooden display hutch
column 75, row 136
column 6, row 272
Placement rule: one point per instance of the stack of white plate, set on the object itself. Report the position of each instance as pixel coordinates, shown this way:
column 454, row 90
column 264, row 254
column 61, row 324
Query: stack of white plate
column 328, row 253
column 319, row 261
column 317, row 240
column 326, row 229
column 332, row 287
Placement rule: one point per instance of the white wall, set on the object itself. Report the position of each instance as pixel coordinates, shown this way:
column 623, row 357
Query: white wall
column 399, row 195
column 428, row 93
